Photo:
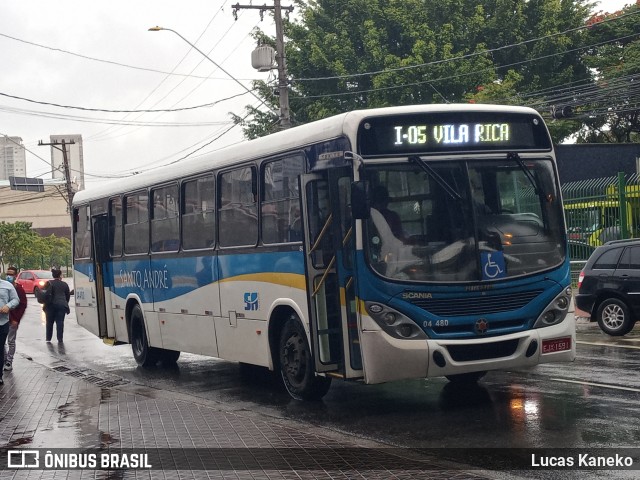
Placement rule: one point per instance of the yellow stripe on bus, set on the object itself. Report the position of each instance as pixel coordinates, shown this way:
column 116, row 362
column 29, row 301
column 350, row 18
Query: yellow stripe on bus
column 292, row 280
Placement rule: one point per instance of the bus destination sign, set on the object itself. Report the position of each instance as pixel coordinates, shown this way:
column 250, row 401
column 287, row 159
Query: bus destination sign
column 444, row 132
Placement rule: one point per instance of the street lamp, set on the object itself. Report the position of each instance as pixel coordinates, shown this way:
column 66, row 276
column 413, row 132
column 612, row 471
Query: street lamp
column 157, row 29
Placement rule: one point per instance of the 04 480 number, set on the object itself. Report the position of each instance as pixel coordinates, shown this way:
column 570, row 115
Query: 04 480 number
column 437, row 323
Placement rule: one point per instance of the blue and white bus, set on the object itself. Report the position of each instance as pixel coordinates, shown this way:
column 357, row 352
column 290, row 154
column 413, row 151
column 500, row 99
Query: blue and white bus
column 375, row 245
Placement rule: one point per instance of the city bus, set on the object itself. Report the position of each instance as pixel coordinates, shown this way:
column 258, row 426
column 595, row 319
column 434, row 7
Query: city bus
column 376, row 245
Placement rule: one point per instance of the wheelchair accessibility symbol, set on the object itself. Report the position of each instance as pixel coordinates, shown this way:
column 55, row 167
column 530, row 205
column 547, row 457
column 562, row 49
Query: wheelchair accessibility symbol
column 493, row 265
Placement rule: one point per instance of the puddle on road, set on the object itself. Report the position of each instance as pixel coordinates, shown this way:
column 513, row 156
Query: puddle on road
column 72, row 424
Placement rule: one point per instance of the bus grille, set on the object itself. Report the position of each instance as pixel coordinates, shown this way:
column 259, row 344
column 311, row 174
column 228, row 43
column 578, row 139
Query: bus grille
column 484, row 351
column 485, row 305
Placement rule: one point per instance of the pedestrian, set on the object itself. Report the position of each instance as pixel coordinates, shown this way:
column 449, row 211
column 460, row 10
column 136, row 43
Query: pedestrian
column 14, row 318
column 9, row 300
column 58, row 306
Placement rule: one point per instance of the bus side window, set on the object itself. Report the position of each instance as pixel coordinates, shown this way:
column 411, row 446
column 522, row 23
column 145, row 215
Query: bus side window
column 238, row 208
column 81, row 234
column 115, row 227
column 165, row 232
column 280, row 205
column 136, row 223
column 198, row 213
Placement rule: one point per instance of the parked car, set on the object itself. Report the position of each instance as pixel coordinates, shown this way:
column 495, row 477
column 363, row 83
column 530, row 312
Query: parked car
column 609, row 286
column 32, row 280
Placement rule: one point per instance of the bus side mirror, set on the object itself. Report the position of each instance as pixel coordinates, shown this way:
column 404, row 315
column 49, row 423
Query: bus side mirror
column 359, row 201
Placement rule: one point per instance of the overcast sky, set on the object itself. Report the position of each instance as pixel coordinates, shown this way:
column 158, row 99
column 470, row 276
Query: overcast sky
column 116, row 64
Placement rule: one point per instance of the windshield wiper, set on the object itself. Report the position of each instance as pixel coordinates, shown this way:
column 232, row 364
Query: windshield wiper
column 516, row 158
column 436, row 176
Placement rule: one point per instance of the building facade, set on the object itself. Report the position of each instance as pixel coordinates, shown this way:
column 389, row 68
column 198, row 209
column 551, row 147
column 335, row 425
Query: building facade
column 47, row 211
column 585, row 161
column 13, row 160
column 73, row 146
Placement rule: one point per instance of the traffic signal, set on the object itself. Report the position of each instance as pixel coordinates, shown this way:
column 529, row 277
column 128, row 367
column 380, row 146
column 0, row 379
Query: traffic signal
column 561, row 111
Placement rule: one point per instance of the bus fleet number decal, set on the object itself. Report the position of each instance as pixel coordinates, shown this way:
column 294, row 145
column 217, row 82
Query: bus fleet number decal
column 437, row 323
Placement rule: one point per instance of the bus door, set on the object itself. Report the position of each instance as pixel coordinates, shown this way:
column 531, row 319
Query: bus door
column 329, row 255
column 100, row 228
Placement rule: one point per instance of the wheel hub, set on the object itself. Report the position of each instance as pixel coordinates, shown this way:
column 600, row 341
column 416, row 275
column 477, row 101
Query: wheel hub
column 613, row 317
column 292, row 359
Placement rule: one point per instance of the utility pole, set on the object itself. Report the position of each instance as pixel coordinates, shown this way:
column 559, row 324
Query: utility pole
column 283, row 89
column 65, row 165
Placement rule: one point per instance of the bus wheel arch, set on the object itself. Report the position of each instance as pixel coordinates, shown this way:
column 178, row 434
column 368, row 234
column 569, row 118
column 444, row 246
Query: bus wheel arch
column 296, row 363
column 280, row 315
column 144, row 354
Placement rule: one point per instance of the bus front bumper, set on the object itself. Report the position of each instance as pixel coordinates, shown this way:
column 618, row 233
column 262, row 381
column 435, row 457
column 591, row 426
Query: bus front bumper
column 387, row 358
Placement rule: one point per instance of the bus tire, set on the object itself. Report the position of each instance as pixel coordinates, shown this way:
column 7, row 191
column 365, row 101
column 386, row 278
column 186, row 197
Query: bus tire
column 297, row 365
column 168, row 357
column 614, row 317
column 466, row 378
column 145, row 355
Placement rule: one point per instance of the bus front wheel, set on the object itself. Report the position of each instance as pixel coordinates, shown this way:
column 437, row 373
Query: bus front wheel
column 297, row 366
column 145, row 355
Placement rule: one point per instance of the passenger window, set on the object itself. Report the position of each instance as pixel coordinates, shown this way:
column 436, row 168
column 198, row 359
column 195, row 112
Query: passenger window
column 165, row 232
column 115, row 227
column 81, row 234
column 198, row 213
column 608, row 260
column 280, row 208
column 136, row 223
column 238, row 208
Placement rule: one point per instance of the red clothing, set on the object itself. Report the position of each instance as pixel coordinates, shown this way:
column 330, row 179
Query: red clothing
column 16, row 314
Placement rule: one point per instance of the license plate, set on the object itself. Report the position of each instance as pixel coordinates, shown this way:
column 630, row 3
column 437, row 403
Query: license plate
column 556, row 345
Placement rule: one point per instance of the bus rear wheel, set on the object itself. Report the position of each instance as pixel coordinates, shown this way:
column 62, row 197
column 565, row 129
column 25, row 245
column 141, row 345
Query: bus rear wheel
column 297, row 365
column 145, row 355
column 466, row 378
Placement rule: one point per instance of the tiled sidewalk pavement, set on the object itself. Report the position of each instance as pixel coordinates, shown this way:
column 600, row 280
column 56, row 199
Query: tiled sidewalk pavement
column 41, row 407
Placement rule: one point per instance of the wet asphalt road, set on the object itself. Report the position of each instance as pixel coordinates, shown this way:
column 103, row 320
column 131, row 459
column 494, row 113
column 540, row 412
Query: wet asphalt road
column 591, row 403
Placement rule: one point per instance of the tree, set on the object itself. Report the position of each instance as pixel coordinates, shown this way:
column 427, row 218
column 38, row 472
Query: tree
column 612, row 108
column 24, row 248
column 351, row 54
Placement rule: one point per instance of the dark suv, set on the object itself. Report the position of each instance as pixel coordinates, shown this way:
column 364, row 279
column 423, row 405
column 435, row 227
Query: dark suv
column 609, row 286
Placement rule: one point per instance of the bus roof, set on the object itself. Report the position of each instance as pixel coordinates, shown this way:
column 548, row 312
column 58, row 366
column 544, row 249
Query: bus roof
column 345, row 124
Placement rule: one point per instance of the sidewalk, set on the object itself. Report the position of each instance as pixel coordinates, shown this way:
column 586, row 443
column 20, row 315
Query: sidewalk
column 68, row 406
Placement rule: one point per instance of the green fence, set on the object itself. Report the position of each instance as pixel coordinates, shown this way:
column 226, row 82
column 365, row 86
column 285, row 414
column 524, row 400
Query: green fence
column 595, row 209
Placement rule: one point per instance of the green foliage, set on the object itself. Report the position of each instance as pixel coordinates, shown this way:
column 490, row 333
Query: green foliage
column 351, row 54
column 24, row 248
column 615, row 59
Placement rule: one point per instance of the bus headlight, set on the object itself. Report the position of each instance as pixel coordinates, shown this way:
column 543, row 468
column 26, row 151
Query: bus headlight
column 394, row 323
column 389, row 318
column 556, row 311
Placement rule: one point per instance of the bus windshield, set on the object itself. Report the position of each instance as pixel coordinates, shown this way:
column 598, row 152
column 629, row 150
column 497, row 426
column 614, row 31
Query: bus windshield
column 464, row 221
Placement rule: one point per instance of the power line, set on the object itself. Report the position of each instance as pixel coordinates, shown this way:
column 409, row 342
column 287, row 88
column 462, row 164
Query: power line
column 26, row 149
column 457, row 76
column 176, row 86
column 89, row 109
column 461, row 57
column 166, row 77
column 110, row 62
column 76, row 118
